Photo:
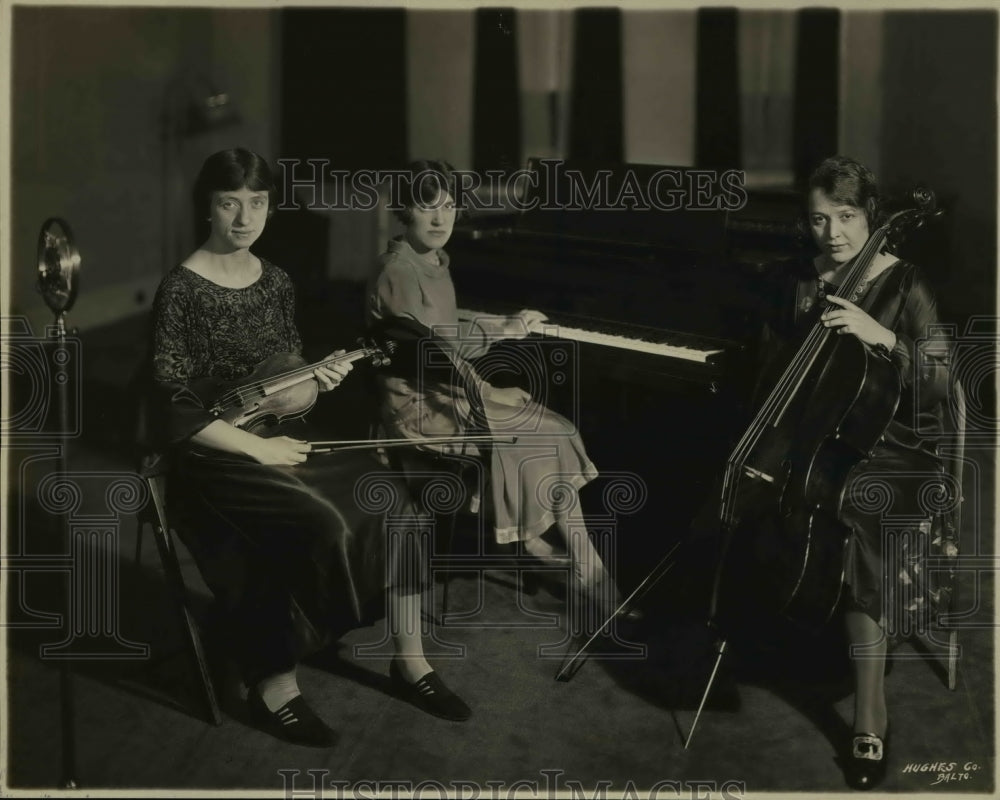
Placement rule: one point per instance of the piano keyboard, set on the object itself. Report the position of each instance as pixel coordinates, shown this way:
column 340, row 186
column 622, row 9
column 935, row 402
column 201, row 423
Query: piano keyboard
column 634, row 338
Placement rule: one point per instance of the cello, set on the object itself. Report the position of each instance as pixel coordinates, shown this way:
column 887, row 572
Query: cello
column 784, row 482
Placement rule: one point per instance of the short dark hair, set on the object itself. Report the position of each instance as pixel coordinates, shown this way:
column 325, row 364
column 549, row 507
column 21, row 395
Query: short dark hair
column 421, row 184
column 229, row 170
column 848, row 182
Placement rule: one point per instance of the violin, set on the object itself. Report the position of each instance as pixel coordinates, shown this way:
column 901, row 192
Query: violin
column 785, row 480
column 280, row 388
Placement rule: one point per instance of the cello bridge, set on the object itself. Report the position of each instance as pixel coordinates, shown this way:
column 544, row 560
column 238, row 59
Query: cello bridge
column 756, row 473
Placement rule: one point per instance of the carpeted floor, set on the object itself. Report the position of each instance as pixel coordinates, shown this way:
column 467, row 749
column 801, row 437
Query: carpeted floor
column 776, row 720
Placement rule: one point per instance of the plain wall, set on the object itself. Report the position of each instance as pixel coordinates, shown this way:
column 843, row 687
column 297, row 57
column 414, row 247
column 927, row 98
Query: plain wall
column 93, row 91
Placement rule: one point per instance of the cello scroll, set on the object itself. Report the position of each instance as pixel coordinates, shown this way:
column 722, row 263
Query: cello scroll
column 924, row 207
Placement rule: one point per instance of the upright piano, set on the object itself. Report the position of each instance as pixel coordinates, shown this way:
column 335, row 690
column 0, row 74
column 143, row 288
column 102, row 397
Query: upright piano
column 655, row 310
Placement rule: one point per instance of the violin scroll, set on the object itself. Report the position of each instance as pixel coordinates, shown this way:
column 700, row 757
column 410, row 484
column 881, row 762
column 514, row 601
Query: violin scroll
column 923, row 198
column 379, row 353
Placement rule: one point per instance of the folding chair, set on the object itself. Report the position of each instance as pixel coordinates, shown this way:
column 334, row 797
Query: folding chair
column 153, row 470
column 954, row 465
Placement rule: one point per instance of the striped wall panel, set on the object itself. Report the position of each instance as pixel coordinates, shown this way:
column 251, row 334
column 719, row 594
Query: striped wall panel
column 490, row 87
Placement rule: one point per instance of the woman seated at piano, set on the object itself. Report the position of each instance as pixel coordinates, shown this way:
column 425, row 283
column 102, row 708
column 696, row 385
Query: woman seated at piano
column 842, row 210
column 534, row 482
column 278, row 535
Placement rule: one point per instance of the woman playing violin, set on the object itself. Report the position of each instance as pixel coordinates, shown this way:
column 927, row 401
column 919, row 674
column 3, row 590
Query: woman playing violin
column 279, row 536
column 843, row 208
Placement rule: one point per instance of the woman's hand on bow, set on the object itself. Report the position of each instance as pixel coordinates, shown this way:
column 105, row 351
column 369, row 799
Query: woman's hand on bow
column 281, row 451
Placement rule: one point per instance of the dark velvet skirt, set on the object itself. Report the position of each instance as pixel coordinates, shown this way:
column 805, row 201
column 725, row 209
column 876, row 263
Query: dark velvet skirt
column 899, row 563
column 295, row 556
column 899, row 507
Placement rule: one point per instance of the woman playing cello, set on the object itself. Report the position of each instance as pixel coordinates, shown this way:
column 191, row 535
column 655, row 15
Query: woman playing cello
column 843, row 209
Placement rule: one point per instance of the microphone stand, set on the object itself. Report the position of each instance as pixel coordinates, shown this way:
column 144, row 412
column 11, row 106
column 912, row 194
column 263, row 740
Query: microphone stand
column 67, row 695
column 58, row 281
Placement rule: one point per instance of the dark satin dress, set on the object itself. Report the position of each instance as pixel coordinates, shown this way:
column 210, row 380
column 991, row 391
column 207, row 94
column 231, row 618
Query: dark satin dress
column 889, row 502
column 296, row 555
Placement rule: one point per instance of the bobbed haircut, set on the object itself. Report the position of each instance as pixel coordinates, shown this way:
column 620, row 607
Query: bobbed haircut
column 422, row 184
column 850, row 183
column 229, row 170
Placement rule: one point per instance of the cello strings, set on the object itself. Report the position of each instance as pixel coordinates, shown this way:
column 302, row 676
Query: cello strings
column 817, row 336
column 813, row 342
column 791, row 378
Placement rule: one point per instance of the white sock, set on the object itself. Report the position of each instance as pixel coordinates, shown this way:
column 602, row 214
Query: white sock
column 277, row 690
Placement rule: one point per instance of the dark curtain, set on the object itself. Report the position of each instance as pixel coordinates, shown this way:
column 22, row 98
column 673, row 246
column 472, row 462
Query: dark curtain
column 343, row 86
column 497, row 110
column 596, row 102
column 816, row 100
column 717, row 104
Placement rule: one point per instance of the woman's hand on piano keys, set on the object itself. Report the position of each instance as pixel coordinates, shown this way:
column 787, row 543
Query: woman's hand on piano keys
column 523, row 323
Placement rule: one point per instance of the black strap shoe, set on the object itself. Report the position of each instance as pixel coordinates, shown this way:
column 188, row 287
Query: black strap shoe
column 868, row 760
column 294, row 722
column 429, row 694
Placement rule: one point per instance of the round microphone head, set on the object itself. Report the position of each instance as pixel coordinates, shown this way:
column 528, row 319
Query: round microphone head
column 58, row 265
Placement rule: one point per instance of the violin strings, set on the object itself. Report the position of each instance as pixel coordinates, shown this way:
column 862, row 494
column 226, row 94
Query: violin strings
column 233, row 395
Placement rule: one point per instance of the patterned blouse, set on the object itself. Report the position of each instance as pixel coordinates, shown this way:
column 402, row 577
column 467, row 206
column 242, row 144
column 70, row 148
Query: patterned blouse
column 204, row 330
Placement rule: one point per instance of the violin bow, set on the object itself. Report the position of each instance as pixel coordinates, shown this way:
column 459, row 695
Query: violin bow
column 364, row 444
